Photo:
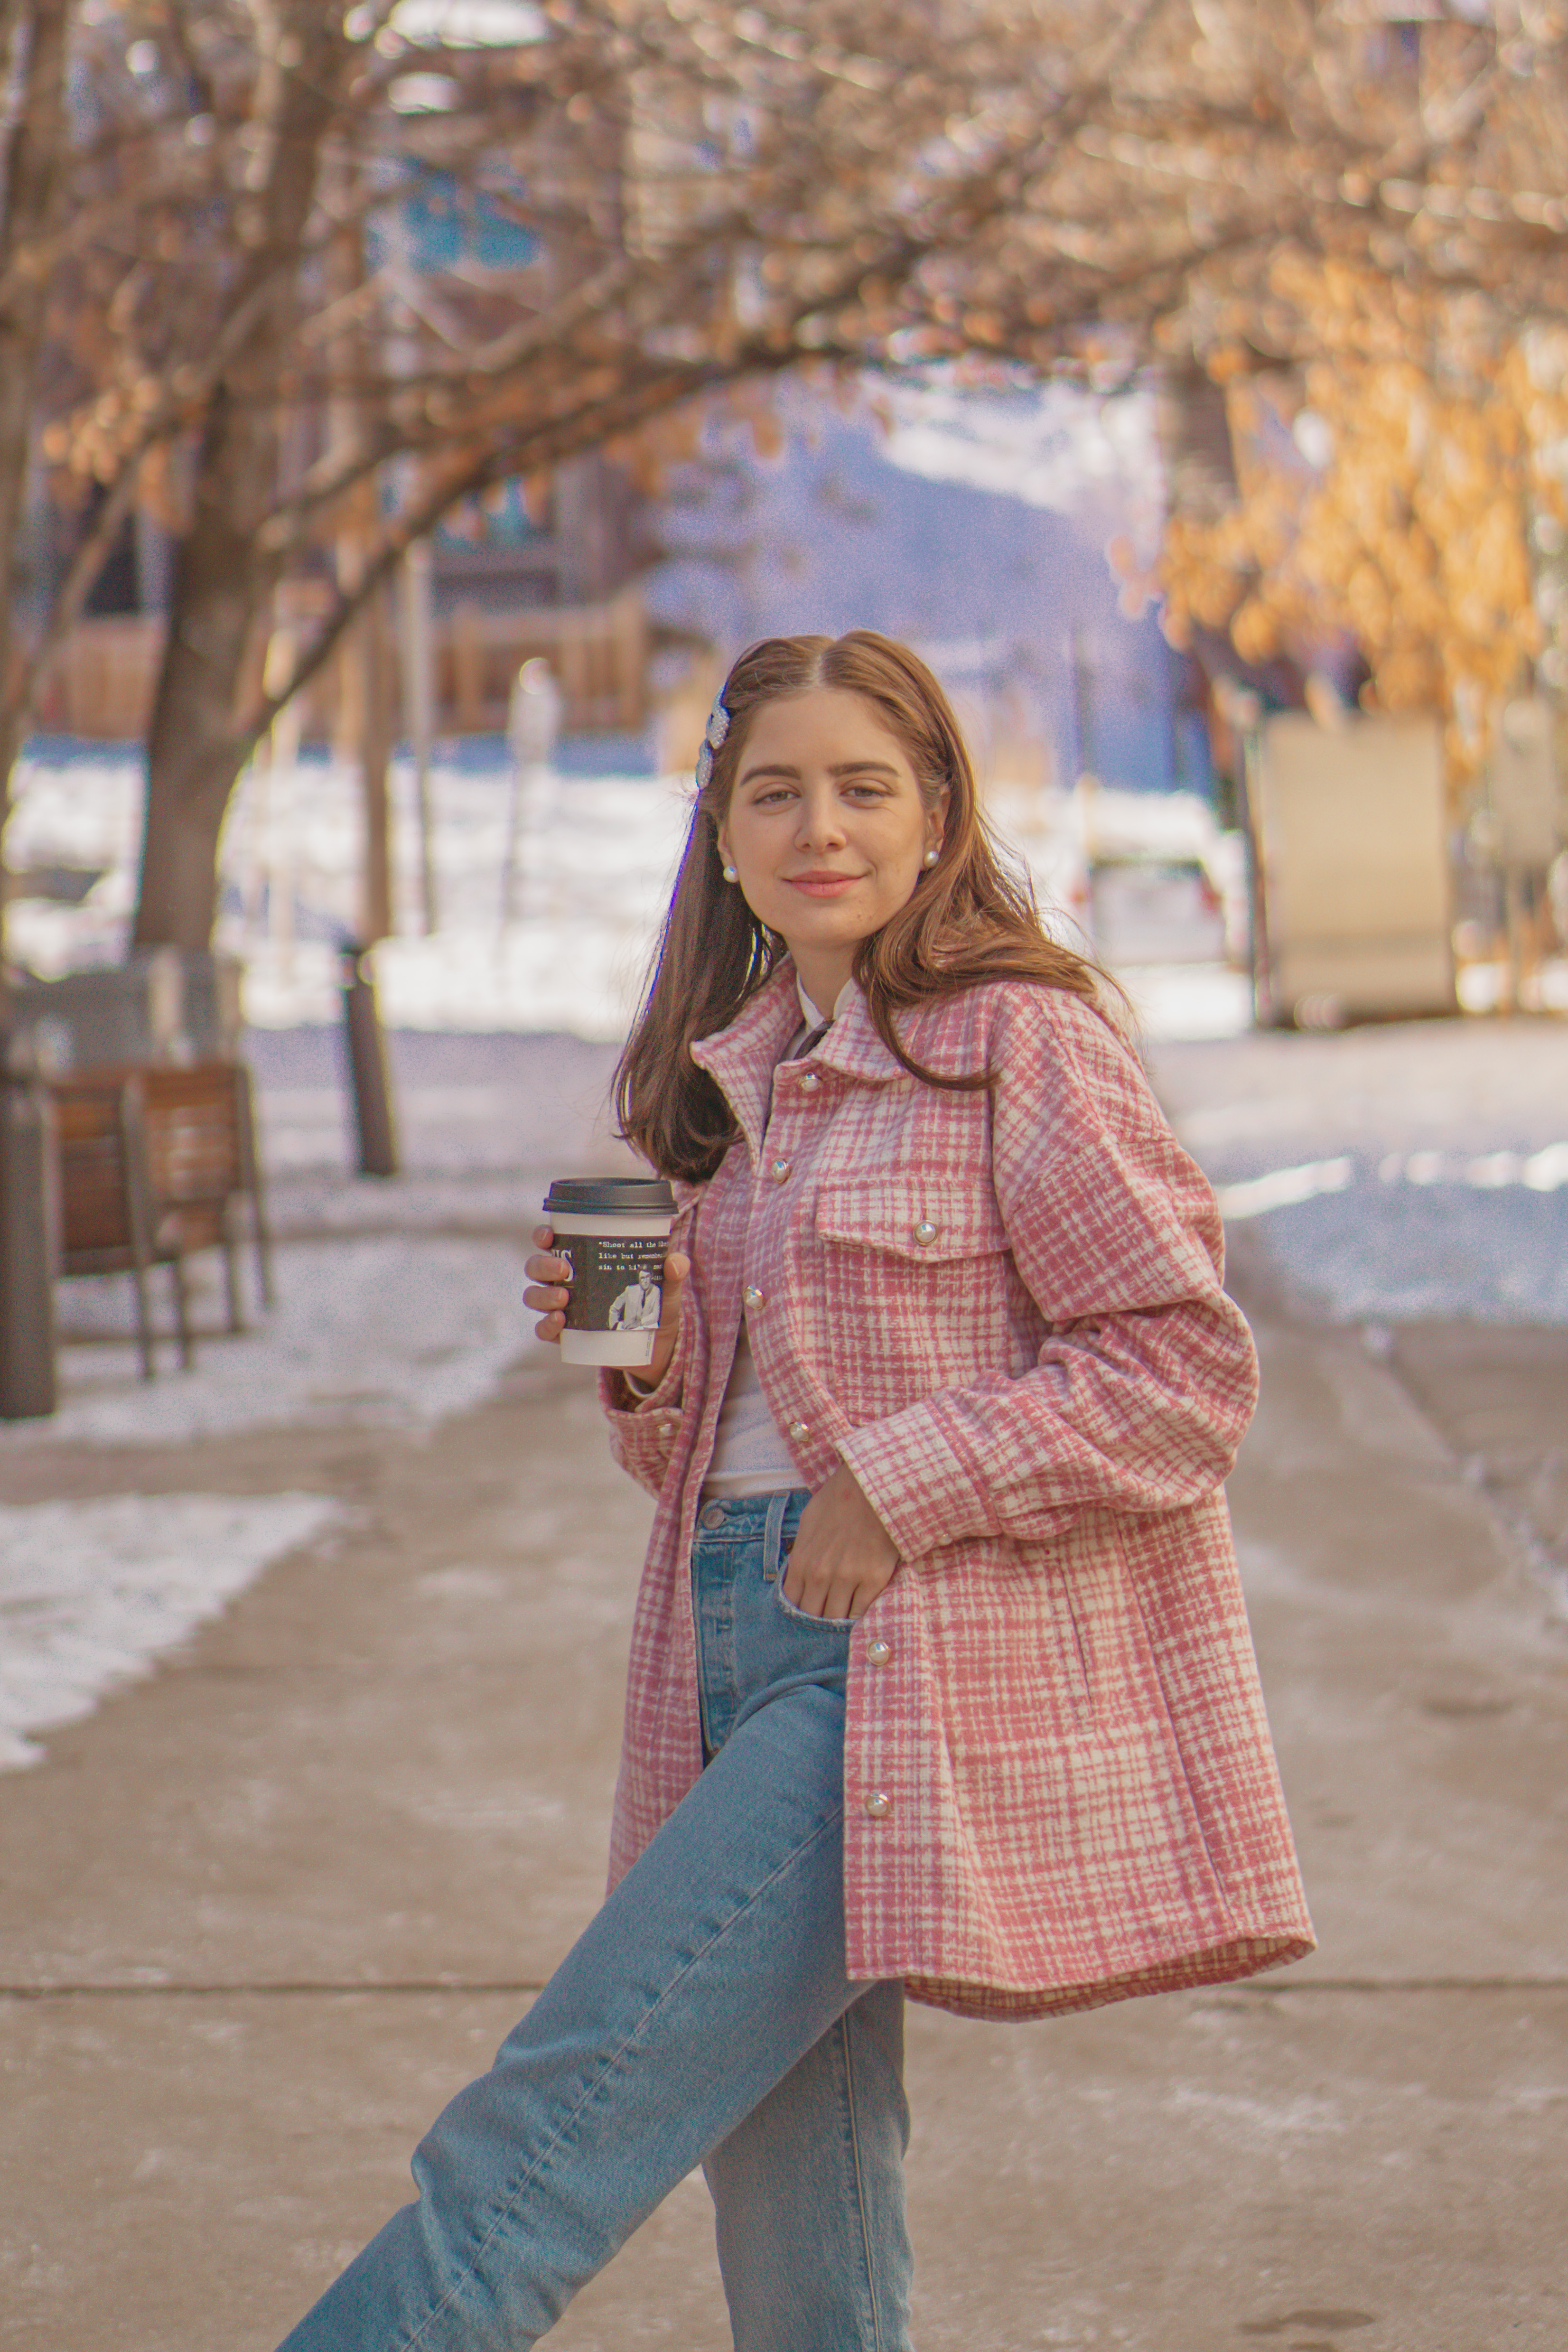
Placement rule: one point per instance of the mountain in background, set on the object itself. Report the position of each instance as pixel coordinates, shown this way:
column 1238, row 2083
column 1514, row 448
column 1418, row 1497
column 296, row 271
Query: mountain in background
column 973, row 525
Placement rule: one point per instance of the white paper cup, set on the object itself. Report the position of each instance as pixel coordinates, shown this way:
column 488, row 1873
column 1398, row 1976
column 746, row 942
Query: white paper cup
column 615, row 1230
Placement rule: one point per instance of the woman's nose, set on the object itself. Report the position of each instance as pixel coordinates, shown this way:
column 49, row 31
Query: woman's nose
column 821, row 821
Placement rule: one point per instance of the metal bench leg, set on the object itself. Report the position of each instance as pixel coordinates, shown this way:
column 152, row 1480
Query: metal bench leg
column 144, row 1323
column 250, row 1177
column 182, row 1312
column 264, row 1253
column 231, row 1271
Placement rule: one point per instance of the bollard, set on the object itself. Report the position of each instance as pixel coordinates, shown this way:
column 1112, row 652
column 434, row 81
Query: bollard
column 26, row 1244
column 367, row 1067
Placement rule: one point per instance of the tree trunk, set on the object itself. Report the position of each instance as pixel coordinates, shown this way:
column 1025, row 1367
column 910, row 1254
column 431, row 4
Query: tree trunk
column 221, row 591
column 33, row 168
column 33, row 171
column 221, row 595
column 376, row 746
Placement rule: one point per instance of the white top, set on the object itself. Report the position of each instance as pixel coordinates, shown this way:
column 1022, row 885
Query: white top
column 750, row 1457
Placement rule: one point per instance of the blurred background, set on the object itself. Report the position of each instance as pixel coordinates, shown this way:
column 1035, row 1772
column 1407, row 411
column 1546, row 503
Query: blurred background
column 407, row 411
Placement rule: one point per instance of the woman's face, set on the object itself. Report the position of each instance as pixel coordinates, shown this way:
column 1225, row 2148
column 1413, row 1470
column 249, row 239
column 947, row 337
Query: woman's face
column 827, row 829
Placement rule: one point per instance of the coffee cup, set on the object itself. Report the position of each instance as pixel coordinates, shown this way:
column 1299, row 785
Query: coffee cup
column 613, row 1230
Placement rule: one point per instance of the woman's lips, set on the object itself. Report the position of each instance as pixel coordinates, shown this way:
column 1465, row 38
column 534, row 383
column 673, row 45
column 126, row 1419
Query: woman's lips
column 823, row 885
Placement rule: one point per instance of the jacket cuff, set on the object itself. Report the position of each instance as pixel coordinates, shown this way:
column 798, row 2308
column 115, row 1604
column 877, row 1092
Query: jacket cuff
column 643, row 1429
column 926, row 1494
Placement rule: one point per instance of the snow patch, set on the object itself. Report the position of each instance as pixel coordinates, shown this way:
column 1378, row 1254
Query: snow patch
column 376, row 1328
column 91, row 1593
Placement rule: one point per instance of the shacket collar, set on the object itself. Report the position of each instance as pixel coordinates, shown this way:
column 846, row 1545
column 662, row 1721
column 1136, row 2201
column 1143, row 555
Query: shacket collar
column 742, row 1057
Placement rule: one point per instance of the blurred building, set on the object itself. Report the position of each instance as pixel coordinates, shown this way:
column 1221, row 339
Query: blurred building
column 512, row 577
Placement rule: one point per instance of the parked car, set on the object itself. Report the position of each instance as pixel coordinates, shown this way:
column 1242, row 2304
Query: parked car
column 1155, row 910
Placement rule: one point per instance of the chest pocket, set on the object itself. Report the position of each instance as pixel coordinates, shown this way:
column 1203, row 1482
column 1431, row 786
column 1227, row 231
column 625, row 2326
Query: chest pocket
column 914, row 1274
column 921, row 1220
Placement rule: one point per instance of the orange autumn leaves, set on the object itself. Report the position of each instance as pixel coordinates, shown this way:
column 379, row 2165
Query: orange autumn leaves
column 1387, row 491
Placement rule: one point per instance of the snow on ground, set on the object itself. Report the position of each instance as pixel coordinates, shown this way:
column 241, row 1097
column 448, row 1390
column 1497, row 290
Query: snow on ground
column 380, row 1327
column 595, row 860
column 594, row 857
column 92, row 1592
column 1393, row 1173
column 1192, row 1000
column 377, row 1327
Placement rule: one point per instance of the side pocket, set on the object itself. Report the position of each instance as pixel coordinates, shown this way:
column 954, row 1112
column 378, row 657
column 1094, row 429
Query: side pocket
column 1075, row 1658
column 803, row 1616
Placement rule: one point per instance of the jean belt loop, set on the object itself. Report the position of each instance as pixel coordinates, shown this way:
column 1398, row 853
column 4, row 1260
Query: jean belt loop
column 772, row 1534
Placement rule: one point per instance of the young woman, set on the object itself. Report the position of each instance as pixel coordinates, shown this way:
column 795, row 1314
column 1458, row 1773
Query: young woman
column 940, row 1680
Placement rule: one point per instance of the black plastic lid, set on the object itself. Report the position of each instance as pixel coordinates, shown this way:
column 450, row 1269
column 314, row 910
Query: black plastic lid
column 610, row 1196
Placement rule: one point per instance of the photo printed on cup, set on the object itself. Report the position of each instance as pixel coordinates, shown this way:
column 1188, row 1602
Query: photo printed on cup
column 615, row 1282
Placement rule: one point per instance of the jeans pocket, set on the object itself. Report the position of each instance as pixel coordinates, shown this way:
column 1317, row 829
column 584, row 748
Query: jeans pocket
column 803, row 1616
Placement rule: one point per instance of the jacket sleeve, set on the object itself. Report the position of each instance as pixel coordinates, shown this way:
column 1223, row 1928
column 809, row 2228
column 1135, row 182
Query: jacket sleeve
column 1147, row 1377
column 645, row 1430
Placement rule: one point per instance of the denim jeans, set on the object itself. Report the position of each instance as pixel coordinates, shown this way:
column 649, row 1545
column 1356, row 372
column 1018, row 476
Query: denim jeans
column 703, row 2018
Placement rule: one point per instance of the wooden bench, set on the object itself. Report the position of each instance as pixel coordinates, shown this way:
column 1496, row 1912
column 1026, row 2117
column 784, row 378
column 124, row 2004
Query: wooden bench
column 108, row 1221
column 201, row 1148
column 157, row 1163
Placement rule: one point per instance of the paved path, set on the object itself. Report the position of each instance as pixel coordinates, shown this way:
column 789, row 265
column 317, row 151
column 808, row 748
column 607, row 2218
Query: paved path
column 266, row 1909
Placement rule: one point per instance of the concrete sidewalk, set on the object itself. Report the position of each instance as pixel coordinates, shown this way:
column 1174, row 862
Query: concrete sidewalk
column 267, row 1909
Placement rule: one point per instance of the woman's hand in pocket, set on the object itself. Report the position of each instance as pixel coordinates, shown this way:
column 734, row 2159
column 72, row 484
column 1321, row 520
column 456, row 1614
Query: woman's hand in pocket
column 843, row 1556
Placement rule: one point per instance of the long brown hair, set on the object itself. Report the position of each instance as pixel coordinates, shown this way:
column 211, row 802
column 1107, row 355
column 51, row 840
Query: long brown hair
column 969, row 920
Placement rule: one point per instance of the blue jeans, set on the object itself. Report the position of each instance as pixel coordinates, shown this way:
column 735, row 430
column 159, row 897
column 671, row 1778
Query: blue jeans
column 703, row 2018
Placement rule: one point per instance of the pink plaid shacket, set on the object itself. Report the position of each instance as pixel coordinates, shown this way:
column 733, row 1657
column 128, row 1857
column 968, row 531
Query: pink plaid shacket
column 1003, row 1312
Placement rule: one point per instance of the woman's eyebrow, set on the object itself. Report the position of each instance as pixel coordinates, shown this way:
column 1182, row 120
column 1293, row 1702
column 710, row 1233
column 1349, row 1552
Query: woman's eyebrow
column 839, row 768
column 771, row 768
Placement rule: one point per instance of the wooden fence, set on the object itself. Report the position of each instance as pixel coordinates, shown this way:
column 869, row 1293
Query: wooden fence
column 101, row 684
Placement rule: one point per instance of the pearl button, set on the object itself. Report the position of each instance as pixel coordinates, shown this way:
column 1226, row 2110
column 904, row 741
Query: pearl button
column 752, row 1295
column 879, row 1651
column 877, row 1803
column 780, row 1171
column 800, row 1429
column 925, row 1231
column 810, row 1083
column 666, row 1429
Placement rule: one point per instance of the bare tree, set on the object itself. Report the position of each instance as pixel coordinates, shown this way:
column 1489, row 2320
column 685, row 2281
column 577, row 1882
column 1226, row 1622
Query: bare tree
column 715, row 195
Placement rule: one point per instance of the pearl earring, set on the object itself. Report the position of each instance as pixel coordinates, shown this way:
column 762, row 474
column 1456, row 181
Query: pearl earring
column 731, row 875
column 932, row 856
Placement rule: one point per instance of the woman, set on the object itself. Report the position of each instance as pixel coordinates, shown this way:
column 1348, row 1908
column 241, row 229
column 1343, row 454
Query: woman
column 941, row 1679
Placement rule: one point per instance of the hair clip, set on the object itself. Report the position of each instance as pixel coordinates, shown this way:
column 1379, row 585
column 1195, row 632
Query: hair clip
column 713, row 736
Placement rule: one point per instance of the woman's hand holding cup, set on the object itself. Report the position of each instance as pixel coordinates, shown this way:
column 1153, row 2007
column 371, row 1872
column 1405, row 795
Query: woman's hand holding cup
column 550, row 1277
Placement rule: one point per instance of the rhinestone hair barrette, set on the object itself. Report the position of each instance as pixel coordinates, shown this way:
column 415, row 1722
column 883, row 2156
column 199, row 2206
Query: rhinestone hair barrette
column 713, row 735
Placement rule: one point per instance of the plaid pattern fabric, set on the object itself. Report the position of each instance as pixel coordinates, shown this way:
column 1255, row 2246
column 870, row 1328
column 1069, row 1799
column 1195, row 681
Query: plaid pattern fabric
column 1003, row 1310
